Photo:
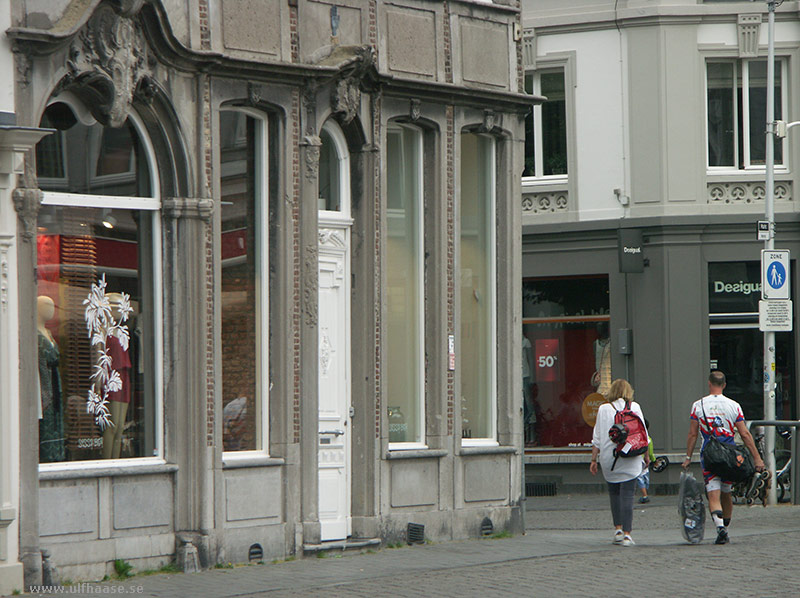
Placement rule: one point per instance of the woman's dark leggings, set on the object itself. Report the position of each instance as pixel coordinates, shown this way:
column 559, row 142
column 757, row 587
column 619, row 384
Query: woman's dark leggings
column 621, row 494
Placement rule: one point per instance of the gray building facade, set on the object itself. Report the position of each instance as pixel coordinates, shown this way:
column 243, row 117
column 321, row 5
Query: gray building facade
column 267, row 262
column 656, row 119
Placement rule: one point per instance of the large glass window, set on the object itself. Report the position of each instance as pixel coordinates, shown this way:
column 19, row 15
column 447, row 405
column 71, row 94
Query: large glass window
column 243, row 248
column 405, row 292
column 737, row 344
column 546, row 125
column 98, row 282
column 737, row 112
column 566, row 358
column 477, row 258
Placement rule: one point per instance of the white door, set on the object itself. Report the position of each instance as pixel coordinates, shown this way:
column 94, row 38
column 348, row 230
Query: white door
column 334, row 383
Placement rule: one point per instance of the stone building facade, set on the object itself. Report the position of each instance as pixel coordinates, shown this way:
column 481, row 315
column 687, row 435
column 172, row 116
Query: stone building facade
column 262, row 260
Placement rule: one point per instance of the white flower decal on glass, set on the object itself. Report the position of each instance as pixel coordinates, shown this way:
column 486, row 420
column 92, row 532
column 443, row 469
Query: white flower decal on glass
column 101, row 324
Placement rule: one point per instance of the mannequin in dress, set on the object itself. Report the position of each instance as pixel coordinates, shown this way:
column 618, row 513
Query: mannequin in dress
column 51, row 421
column 117, row 401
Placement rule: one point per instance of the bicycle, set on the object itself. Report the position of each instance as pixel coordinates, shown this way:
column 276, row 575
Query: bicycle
column 783, row 465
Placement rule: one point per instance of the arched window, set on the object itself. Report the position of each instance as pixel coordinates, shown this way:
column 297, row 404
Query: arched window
column 334, row 173
column 99, row 289
column 405, row 292
column 244, row 279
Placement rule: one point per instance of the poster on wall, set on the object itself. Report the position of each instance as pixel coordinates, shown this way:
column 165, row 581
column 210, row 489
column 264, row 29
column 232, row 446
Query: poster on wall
column 547, row 360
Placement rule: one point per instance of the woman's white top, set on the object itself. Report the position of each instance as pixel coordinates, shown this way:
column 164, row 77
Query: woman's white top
column 626, row 468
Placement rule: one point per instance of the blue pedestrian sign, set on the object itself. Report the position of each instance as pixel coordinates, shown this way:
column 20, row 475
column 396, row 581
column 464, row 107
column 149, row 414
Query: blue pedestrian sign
column 775, row 274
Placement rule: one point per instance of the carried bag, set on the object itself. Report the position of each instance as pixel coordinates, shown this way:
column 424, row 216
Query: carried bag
column 731, row 462
column 690, row 508
column 628, row 433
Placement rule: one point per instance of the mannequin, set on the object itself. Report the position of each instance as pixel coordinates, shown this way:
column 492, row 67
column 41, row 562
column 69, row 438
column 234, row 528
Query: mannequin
column 117, row 401
column 51, row 422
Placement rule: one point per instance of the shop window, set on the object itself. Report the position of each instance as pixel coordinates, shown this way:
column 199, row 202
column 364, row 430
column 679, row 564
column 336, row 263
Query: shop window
column 243, row 288
column 737, row 344
column 477, row 258
column 98, row 283
column 546, row 125
column 736, row 92
column 405, row 359
column 566, row 358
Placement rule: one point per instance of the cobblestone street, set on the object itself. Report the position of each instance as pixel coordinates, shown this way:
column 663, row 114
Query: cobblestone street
column 566, row 552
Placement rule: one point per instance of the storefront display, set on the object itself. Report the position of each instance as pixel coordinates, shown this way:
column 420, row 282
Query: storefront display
column 737, row 344
column 566, row 322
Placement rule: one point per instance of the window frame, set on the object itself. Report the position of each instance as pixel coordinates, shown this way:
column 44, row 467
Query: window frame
column 419, row 142
column 261, row 200
column 491, row 159
column 536, row 74
column 741, row 66
column 150, row 204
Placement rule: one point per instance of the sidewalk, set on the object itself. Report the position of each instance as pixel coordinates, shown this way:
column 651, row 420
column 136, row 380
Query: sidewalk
column 566, row 551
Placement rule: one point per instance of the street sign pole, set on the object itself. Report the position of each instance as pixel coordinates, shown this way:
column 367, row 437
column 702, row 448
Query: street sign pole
column 769, row 244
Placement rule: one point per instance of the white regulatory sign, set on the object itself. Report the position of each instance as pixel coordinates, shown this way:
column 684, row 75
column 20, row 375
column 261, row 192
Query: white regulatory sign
column 775, row 315
column 775, row 274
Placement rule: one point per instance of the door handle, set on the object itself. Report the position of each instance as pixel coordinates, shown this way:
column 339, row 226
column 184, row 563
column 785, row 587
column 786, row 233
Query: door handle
column 334, row 432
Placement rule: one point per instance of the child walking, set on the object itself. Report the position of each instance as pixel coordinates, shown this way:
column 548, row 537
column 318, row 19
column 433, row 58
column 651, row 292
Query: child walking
column 643, row 481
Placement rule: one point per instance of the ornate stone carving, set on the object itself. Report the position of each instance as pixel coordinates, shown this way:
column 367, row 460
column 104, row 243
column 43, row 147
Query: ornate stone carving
column 254, row 94
column 331, row 237
column 325, row 353
column 310, row 281
column 312, row 145
column 488, row 121
column 5, row 245
column 544, row 202
column 746, row 192
column 108, row 61
column 27, row 202
column 346, row 99
column 188, row 207
column 414, row 110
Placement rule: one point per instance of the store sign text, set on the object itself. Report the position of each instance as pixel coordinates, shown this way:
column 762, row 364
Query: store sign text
column 745, row 288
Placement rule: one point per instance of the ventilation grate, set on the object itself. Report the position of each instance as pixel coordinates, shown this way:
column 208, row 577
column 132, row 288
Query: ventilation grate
column 487, row 527
column 415, row 534
column 256, row 553
column 540, row 489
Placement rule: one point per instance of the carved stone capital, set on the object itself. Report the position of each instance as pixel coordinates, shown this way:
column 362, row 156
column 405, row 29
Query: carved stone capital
column 27, row 202
column 188, row 207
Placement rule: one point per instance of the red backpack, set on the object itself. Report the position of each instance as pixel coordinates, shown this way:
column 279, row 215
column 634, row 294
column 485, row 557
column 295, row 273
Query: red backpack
column 629, row 433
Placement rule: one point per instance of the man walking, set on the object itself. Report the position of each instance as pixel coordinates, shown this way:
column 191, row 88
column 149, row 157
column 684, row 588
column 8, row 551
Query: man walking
column 719, row 415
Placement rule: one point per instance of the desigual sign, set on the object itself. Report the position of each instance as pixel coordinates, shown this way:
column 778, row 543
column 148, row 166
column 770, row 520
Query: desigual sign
column 737, row 287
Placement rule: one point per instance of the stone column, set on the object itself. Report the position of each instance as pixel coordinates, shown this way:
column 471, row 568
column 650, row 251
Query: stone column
column 309, row 339
column 189, row 401
column 27, row 202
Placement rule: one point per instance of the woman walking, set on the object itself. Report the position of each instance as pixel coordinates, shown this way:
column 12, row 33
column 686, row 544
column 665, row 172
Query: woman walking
column 620, row 473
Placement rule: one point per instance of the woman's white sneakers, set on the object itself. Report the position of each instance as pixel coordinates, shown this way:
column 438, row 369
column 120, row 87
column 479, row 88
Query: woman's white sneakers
column 628, row 541
column 619, row 537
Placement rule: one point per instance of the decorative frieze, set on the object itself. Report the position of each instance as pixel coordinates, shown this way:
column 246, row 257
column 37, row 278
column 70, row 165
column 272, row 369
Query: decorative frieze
column 27, row 202
column 545, row 202
column 746, row 192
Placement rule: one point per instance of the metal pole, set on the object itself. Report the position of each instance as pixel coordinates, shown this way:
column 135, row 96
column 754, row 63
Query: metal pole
column 769, row 244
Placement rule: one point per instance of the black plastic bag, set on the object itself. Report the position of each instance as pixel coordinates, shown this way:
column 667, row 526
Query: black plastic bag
column 731, row 462
column 691, row 508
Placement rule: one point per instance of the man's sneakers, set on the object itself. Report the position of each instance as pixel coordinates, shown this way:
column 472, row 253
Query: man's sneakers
column 628, row 541
column 722, row 536
column 619, row 536
column 644, row 499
